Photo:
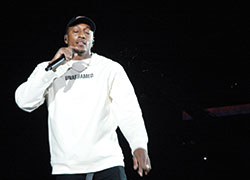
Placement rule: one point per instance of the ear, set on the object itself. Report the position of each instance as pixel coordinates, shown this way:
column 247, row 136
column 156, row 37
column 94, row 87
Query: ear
column 66, row 39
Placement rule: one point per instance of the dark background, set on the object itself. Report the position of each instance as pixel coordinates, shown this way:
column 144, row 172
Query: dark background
column 180, row 56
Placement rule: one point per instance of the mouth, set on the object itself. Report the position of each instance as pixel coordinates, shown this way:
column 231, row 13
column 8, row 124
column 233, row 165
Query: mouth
column 81, row 43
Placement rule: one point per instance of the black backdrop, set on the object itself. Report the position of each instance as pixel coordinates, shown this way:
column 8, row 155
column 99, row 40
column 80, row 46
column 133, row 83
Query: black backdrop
column 179, row 55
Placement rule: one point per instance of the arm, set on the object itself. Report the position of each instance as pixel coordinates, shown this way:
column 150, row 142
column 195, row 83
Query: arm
column 128, row 113
column 31, row 94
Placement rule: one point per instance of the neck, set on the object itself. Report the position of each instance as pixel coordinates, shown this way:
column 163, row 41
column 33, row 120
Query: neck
column 82, row 56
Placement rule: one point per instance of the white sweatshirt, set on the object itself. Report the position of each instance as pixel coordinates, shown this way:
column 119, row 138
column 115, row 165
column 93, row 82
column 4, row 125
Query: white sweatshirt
column 85, row 108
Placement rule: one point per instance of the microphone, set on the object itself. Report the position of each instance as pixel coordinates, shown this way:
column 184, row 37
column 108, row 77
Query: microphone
column 56, row 63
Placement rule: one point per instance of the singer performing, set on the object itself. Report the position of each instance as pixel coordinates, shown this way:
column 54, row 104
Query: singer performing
column 88, row 97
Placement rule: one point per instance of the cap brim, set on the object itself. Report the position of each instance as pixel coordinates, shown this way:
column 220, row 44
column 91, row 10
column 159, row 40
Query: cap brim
column 80, row 20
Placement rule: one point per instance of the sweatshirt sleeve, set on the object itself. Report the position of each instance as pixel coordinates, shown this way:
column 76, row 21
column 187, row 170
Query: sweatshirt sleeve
column 31, row 94
column 126, row 110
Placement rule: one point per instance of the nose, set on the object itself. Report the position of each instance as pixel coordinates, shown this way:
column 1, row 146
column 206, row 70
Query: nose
column 81, row 34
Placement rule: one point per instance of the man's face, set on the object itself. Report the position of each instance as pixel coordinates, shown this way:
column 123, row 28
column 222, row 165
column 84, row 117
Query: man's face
column 80, row 37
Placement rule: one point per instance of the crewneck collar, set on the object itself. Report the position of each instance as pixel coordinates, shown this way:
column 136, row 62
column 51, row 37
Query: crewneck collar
column 85, row 61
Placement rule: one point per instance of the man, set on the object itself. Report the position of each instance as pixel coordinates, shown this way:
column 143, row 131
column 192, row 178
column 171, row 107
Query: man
column 88, row 97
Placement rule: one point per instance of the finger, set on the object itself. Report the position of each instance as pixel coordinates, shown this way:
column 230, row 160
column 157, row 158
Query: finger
column 141, row 164
column 57, row 56
column 140, row 171
column 147, row 170
column 61, row 52
column 74, row 51
column 148, row 167
column 135, row 163
column 68, row 53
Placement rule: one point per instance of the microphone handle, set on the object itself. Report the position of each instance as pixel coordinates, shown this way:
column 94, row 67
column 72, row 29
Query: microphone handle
column 56, row 63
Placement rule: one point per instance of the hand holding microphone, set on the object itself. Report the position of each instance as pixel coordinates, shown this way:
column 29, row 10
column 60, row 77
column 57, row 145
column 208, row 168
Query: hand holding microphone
column 63, row 54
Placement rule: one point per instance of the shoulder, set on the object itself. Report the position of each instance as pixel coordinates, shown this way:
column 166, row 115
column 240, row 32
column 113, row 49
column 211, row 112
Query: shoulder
column 107, row 62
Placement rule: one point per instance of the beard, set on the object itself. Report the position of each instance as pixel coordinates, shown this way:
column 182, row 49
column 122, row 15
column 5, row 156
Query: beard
column 84, row 50
column 80, row 52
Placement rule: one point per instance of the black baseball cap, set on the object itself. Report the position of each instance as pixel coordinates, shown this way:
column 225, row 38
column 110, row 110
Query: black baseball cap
column 81, row 19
